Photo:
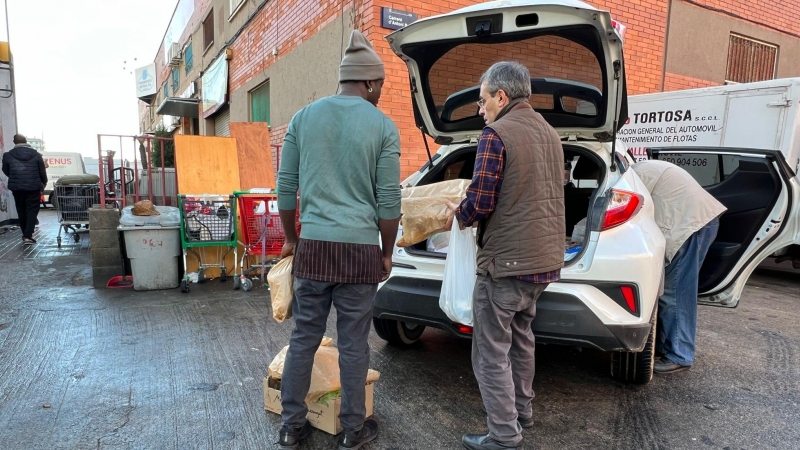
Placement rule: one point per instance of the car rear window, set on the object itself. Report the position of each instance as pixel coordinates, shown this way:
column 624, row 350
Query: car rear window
column 566, row 76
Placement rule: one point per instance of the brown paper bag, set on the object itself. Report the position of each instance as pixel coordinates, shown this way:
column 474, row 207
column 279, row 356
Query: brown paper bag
column 281, row 287
column 425, row 211
column 325, row 372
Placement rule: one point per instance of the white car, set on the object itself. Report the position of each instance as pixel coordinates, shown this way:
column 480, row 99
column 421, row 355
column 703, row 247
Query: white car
column 608, row 293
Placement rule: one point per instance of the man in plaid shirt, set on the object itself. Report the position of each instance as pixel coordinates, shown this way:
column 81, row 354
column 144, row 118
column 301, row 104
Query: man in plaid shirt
column 517, row 200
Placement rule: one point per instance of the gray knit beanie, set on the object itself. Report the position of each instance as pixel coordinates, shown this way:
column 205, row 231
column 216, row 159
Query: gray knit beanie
column 360, row 62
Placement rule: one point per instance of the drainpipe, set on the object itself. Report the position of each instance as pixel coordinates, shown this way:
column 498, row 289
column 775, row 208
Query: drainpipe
column 666, row 46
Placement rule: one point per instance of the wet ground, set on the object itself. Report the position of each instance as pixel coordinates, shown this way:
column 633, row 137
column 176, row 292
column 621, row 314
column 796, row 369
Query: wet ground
column 117, row 369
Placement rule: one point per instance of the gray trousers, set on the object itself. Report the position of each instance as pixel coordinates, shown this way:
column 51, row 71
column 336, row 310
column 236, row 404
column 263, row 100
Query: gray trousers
column 311, row 306
column 503, row 352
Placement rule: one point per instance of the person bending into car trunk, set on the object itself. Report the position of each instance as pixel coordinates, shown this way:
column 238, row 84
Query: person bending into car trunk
column 517, row 199
column 27, row 176
column 343, row 155
column 689, row 218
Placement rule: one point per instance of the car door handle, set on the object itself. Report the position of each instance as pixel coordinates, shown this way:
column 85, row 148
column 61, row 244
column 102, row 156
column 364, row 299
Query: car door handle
column 780, row 104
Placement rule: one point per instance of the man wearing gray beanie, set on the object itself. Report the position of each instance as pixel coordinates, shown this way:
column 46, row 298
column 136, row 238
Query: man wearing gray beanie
column 343, row 155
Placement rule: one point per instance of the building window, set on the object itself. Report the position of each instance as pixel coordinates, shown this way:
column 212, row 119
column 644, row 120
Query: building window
column 176, row 80
column 188, row 58
column 166, row 90
column 750, row 60
column 208, row 29
column 259, row 104
column 233, row 5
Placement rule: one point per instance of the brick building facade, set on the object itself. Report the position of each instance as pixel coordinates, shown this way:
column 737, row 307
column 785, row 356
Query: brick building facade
column 286, row 53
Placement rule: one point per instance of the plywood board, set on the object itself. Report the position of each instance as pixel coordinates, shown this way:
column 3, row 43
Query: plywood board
column 206, row 165
column 255, row 154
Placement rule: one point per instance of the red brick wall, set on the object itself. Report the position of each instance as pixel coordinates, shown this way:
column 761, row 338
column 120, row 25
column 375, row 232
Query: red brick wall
column 781, row 14
column 675, row 82
column 282, row 25
column 644, row 58
column 287, row 24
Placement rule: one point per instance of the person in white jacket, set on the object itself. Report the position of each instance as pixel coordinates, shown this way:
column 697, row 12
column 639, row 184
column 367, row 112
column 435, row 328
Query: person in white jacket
column 689, row 218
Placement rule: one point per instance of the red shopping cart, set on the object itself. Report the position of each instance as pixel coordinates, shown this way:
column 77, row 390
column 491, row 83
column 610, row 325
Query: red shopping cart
column 262, row 233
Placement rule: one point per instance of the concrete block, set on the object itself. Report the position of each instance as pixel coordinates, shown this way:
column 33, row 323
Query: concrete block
column 106, row 257
column 101, row 275
column 103, row 219
column 104, row 238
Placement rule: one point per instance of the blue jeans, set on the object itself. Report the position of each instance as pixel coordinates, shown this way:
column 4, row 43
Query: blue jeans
column 677, row 307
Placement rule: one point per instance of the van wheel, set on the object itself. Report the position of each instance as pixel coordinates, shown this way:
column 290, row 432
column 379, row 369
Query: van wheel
column 396, row 332
column 52, row 199
column 636, row 368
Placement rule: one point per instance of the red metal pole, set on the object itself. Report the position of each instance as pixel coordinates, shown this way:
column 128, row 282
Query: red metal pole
column 122, row 174
column 163, row 176
column 102, row 182
column 135, row 171
column 175, row 160
column 149, row 172
column 278, row 156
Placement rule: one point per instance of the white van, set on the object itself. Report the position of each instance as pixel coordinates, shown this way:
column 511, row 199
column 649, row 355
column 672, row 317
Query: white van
column 60, row 164
column 763, row 115
column 703, row 131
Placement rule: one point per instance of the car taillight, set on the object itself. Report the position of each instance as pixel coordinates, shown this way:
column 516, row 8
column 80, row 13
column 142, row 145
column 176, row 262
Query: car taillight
column 464, row 329
column 625, row 295
column 622, row 207
column 630, row 298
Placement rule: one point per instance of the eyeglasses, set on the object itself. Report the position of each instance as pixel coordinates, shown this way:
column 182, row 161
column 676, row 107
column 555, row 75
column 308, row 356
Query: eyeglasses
column 481, row 103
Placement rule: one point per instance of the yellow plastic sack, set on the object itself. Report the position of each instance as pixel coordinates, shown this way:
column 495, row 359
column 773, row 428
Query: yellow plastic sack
column 325, row 372
column 281, row 282
column 425, row 210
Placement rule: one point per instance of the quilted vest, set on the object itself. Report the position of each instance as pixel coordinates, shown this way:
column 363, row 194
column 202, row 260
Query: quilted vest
column 525, row 233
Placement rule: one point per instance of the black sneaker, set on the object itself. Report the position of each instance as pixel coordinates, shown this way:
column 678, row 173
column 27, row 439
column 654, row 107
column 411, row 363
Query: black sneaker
column 354, row 441
column 289, row 438
column 525, row 423
column 664, row 365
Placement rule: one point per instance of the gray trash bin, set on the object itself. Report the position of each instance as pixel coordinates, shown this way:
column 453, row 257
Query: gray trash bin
column 153, row 244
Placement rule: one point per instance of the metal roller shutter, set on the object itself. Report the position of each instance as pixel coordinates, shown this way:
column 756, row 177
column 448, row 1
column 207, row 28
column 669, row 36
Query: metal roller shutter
column 222, row 123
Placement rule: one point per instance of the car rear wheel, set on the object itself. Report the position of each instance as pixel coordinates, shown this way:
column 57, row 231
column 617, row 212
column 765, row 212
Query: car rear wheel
column 396, row 332
column 636, row 368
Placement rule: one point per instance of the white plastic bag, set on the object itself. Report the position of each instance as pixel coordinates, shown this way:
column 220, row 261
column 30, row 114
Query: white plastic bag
column 459, row 276
column 438, row 242
column 281, row 283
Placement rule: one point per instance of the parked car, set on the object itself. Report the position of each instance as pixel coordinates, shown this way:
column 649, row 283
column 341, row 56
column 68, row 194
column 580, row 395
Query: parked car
column 607, row 297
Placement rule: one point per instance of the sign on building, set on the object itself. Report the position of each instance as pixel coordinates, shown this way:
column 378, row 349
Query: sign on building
column 146, row 81
column 394, row 19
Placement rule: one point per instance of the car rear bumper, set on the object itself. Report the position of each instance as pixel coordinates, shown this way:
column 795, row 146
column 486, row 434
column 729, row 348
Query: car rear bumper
column 560, row 318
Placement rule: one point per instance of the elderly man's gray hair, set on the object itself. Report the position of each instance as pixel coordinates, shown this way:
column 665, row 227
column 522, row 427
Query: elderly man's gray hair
column 512, row 77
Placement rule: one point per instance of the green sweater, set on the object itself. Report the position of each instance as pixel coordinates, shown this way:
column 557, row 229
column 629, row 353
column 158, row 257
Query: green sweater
column 343, row 155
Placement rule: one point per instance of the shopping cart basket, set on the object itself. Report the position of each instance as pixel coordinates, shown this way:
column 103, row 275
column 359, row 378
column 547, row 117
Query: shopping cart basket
column 73, row 202
column 262, row 232
column 208, row 221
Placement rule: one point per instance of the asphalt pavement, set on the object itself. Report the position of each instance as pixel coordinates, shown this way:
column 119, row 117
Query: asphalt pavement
column 117, row 369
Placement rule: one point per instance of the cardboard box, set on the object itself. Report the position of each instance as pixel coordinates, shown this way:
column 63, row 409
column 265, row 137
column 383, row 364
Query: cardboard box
column 323, row 417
